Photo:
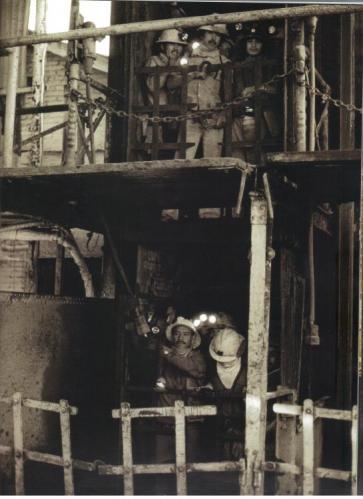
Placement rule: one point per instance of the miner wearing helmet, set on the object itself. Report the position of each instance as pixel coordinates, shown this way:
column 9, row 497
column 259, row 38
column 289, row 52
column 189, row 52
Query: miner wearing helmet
column 255, row 38
column 205, row 92
column 183, row 369
column 171, row 47
column 227, row 348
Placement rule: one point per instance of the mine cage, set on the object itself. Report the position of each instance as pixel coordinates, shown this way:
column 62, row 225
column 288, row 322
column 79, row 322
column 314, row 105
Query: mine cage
column 272, row 241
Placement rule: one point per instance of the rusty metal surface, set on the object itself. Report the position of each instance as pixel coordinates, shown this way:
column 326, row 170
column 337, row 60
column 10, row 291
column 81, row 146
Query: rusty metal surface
column 56, row 348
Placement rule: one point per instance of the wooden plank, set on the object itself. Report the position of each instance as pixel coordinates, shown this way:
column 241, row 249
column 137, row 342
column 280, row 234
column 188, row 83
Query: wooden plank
column 18, row 444
column 180, row 449
column 66, row 447
column 127, row 168
column 127, row 449
column 317, row 157
column 308, row 447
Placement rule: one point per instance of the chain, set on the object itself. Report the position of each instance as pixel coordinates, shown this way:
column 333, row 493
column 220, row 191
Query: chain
column 205, row 113
column 336, row 102
column 201, row 113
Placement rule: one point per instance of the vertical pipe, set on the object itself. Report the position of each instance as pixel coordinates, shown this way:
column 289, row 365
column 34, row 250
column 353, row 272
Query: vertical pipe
column 312, row 24
column 360, row 330
column 308, row 448
column 180, row 455
column 65, row 425
column 354, row 441
column 257, row 346
column 39, row 56
column 58, row 273
column 127, row 449
column 299, row 53
column 10, row 107
column 72, row 129
column 18, row 443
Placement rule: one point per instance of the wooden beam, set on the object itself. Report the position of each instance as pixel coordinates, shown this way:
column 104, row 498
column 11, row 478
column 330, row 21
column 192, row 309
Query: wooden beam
column 321, row 158
column 141, row 167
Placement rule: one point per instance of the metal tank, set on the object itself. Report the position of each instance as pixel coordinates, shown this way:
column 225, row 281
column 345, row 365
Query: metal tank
column 59, row 347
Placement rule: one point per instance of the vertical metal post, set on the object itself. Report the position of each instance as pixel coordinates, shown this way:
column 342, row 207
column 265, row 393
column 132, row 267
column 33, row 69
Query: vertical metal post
column 180, row 454
column 18, row 444
column 354, row 440
column 39, row 57
column 156, row 127
column 228, row 84
column 10, row 107
column 65, row 425
column 308, row 447
column 127, row 449
column 58, row 274
column 312, row 24
column 299, row 52
column 347, row 79
column 360, row 331
column 345, row 305
column 257, row 346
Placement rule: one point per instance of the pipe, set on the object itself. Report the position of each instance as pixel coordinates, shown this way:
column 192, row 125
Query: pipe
column 311, row 23
column 186, row 22
column 32, row 235
column 300, row 89
column 39, row 56
column 72, row 128
column 10, row 107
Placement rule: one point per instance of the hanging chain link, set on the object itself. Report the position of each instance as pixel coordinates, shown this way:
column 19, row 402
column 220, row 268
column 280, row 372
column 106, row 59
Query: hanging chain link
column 201, row 113
column 100, row 103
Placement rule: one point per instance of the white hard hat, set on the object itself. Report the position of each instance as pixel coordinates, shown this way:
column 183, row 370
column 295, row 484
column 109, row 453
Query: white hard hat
column 171, row 36
column 180, row 321
column 226, row 346
column 221, row 29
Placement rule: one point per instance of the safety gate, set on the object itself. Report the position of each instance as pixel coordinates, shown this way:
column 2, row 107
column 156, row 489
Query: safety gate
column 308, row 471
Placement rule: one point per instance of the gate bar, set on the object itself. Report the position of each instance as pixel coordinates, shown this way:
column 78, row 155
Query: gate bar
column 126, row 445
column 65, row 425
column 18, row 444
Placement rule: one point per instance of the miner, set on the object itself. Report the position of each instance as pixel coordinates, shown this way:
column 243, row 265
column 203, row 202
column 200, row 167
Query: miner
column 204, row 92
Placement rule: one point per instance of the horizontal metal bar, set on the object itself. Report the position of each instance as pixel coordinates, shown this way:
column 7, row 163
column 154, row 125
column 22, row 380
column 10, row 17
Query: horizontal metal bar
column 54, row 108
column 287, row 409
column 184, row 22
column 279, row 393
column 275, row 467
column 42, row 457
column 19, row 90
column 47, row 406
column 215, row 466
column 151, row 469
column 43, row 133
column 152, row 412
column 322, row 412
column 345, row 476
column 5, row 449
column 6, row 400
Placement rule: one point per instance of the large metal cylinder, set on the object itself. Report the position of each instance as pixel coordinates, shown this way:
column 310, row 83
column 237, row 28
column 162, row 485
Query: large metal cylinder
column 53, row 348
